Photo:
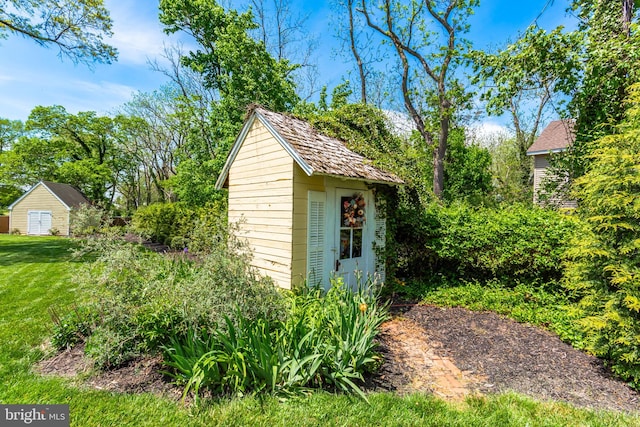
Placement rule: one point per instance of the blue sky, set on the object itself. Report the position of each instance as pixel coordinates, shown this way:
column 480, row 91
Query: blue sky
column 31, row 75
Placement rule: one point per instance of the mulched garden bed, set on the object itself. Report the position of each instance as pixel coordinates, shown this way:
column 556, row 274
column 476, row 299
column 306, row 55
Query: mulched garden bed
column 492, row 354
column 507, row 356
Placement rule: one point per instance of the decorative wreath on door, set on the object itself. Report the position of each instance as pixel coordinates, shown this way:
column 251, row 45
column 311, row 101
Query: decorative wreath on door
column 353, row 211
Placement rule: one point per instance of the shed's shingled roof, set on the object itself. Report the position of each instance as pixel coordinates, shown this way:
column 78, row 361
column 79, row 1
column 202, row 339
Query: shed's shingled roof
column 554, row 138
column 325, row 155
column 315, row 153
column 70, row 196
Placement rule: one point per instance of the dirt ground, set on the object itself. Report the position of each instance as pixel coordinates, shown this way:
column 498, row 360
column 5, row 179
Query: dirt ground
column 450, row 352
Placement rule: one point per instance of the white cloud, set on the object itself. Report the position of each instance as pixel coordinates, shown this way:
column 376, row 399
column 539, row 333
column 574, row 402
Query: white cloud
column 137, row 33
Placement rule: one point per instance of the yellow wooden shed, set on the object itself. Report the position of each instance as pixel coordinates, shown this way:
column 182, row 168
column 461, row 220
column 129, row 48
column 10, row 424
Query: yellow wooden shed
column 45, row 207
column 304, row 202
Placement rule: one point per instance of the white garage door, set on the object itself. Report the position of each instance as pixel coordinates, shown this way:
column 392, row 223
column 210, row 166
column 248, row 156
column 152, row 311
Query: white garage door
column 39, row 222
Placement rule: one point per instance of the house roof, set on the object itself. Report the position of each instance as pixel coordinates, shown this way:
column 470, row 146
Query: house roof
column 68, row 195
column 315, row 153
column 556, row 137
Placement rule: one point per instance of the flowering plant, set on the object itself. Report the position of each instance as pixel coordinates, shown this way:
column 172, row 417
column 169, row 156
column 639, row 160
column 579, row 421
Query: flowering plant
column 353, row 211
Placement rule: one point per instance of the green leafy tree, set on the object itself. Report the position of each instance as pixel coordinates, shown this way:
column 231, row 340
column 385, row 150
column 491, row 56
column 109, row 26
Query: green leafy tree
column 238, row 67
column 612, row 52
column 29, row 160
column 506, row 170
column 605, row 256
column 76, row 27
column 10, row 131
column 529, row 79
column 425, row 36
column 236, row 70
column 85, row 150
column 467, row 174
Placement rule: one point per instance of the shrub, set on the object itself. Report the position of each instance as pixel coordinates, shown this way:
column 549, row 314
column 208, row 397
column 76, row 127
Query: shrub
column 87, row 220
column 72, row 328
column 54, row 231
column 604, row 264
column 144, row 298
column 179, row 225
column 325, row 340
column 465, row 242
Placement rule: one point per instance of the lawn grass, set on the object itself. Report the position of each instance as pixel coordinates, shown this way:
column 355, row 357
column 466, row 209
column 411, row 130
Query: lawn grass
column 35, row 273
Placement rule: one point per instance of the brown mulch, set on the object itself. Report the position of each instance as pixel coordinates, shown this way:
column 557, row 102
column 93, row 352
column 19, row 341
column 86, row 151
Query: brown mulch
column 449, row 352
column 495, row 354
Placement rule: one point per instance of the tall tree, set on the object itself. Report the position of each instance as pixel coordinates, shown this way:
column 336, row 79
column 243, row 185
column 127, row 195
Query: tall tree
column 84, row 150
column 425, row 36
column 611, row 62
column 238, row 67
column 156, row 142
column 10, row 131
column 76, row 27
column 285, row 35
column 529, row 79
column 604, row 260
column 236, row 70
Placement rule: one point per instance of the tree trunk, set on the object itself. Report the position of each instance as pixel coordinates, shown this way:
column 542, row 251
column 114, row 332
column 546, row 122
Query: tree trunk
column 356, row 55
column 439, row 155
column 627, row 15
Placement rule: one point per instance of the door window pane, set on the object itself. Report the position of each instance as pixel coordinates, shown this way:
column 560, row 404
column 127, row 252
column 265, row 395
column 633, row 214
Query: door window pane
column 345, row 243
column 351, row 223
column 356, row 243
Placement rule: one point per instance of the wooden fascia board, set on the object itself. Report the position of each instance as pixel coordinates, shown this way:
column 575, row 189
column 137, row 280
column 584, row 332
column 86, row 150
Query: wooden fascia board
column 541, row 152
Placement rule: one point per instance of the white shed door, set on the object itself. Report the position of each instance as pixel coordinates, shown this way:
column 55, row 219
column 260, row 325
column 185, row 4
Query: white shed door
column 39, row 222
column 354, row 236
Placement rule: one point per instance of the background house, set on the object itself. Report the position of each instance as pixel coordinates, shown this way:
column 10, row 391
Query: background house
column 555, row 138
column 46, row 206
column 305, row 203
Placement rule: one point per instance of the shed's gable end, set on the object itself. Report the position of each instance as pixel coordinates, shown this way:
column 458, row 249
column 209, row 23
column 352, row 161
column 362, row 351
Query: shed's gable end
column 237, row 145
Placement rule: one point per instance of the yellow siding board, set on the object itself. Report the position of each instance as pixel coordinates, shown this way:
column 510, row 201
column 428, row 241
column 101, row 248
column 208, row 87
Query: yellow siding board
column 265, row 222
column 261, row 248
column 264, row 163
column 259, row 174
column 261, row 205
column 275, row 217
column 283, row 183
column 266, row 236
column 250, row 193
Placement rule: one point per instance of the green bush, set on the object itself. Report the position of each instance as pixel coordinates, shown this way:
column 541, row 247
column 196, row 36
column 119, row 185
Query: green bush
column 326, row 340
column 180, row 225
column 73, row 327
column 145, row 298
column 87, row 220
column 604, row 264
column 465, row 242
